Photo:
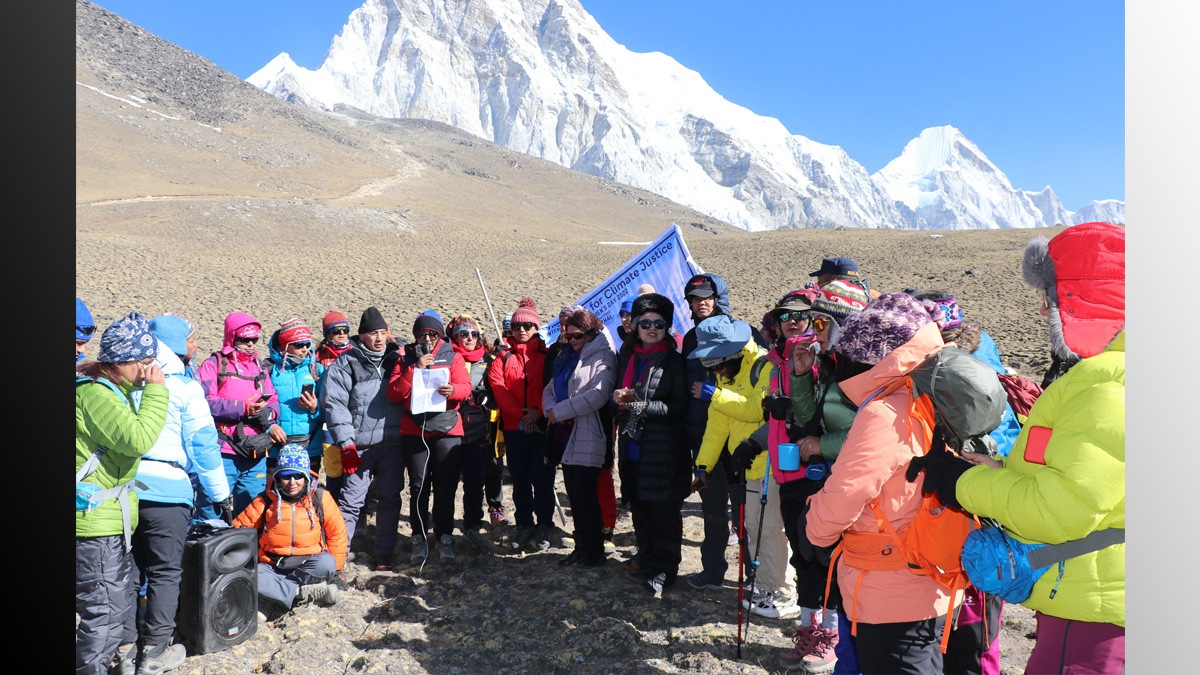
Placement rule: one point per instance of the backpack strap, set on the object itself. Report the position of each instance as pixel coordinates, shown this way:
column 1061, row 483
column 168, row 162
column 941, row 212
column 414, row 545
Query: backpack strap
column 756, row 369
column 92, row 499
column 1051, row 554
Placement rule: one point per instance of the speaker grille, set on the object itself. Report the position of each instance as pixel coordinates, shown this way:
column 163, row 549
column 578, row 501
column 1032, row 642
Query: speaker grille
column 233, row 609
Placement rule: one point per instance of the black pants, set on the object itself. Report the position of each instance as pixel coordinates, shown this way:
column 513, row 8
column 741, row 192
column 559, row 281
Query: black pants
column 715, row 506
column 904, row 648
column 482, row 472
column 434, row 466
column 581, row 483
column 158, row 552
column 811, row 575
column 658, row 528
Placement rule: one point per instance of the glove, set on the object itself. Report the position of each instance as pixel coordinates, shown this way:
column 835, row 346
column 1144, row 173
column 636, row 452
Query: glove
column 225, row 509
column 707, row 390
column 942, row 471
column 350, row 460
column 745, row 454
column 778, row 405
column 808, row 552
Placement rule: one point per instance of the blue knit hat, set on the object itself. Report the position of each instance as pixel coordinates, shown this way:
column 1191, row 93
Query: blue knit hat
column 293, row 458
column 83, row 321
column 128, row 339
column 173, row 331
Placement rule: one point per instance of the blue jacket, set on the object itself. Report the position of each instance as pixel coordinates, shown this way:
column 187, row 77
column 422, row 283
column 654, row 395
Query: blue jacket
column 188, row 443
column 289, row 380
column 1005, row 434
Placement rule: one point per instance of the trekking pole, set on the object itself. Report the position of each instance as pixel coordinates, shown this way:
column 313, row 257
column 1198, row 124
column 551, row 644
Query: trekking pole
column 489, row 302
column 738, row 482
column 762, row 512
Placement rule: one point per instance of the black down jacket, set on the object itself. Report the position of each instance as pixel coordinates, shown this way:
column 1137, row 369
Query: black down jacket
column 663, row 472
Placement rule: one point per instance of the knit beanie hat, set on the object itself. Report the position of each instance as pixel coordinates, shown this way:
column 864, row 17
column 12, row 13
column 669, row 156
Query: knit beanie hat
column 839, row 299
column 293, row 458
column 645, row 288
column 128, row 339
column 464, row 323
column 173, row 331
column 568, row 311
column 526, row 312
column 334, row 320
column 886, row 323
column 653, row 302
column 83, row 321
column 293, row 330
column 429, row 321
column 371, row 320
column 948, row 303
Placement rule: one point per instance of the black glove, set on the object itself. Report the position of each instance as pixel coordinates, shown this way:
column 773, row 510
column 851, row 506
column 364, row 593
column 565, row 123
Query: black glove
column 225, row 509
column 942, row 470
column 745, row 453
column 808, row 552
column 778, row 405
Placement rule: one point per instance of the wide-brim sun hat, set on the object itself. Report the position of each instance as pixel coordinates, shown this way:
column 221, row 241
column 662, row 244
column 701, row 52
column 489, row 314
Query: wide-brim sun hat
column 719, row 336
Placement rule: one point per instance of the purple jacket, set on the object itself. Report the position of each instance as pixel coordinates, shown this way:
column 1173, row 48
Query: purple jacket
column 229, row 396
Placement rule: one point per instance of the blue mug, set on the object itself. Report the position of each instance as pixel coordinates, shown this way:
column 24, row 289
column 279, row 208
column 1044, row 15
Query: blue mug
column 789, row 457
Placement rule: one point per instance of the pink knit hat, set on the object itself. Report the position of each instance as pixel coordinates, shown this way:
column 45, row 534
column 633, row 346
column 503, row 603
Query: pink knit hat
column 526, row 312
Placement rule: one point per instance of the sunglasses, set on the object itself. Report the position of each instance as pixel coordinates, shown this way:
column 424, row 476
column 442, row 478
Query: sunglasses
column 467, row 333
column 300, row 345
column 820, row 322
column 575, row 336
column 784, row 317
column 86, row 330
column 252, row 340
column 524, row 325
column 339, row 331
column 428, row 334
column 289, row 476
column 656, row 324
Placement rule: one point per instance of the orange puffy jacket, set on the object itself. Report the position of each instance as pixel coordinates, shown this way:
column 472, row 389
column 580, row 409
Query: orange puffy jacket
column 294, row 529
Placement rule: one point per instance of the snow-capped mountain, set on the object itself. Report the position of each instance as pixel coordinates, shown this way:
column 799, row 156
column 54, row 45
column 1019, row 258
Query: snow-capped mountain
column 541, row 77
column 1104, row 210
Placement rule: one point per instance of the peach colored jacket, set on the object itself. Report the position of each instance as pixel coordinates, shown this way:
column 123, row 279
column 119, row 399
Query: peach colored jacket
column 871, row 464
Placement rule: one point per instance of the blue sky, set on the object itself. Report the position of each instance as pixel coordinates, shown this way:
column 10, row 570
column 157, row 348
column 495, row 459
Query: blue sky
column 1038, row 86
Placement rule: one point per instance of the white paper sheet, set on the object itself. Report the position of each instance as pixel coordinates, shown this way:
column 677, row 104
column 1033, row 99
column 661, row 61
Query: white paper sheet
column 424, row 393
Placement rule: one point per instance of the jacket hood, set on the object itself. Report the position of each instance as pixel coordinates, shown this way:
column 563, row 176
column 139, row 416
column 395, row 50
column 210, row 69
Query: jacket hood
column 233, row 322
column 897, row 363
column 167, row 360
column 722, row 304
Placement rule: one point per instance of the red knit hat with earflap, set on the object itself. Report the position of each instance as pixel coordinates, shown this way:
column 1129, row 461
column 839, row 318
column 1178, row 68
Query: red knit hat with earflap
column 293, row 330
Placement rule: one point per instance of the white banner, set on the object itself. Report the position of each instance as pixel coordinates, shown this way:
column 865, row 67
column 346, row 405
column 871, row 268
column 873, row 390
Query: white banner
column 665, row 264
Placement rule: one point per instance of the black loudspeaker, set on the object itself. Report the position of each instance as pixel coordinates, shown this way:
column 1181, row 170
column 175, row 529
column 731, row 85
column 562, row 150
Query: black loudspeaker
column 218, row 593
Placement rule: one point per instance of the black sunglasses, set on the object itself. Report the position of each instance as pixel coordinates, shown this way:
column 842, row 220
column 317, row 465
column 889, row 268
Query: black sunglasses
column 252, row 340
column 575, row 336
column 467, row 333
column 86, row 330
column 656, row 324
column 524, row 325
column 784, row 317
column 300, row 345
column 339, row 331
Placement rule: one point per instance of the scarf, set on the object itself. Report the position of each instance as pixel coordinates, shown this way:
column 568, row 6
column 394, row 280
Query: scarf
column 564, row 366
column 642, row 353
column 470, row 356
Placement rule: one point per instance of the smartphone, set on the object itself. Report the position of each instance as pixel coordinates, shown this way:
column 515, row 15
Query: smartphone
column 308, row 388
column 264, row 398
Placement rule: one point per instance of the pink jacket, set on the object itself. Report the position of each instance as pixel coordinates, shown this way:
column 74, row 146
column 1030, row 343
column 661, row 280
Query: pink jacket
column 229, row 397
column 872, row 464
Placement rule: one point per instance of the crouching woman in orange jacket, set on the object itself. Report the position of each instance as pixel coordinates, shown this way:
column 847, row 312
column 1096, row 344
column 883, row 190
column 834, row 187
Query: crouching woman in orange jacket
column 302, row 541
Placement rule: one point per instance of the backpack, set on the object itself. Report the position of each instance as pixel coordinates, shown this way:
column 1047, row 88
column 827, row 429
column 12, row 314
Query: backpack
column 1022, row 393
column 248, row 445
column 956, row 400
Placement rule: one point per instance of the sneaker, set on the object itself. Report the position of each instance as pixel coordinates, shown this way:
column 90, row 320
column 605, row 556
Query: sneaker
column 545, row 537
column 609, row 547
column 656, row 583
column 524, row 535
column 325, row 595
column 476, row 539
column 497, row 517
column 420, row 549
column 777, row 606
column 813, row 652
column 760, row 596
column 160, row 658
column 700, row 582
column 446, row 548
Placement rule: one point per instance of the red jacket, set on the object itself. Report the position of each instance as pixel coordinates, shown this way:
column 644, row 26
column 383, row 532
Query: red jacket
column 293, row 529
column 400, row 386
column 516, row 379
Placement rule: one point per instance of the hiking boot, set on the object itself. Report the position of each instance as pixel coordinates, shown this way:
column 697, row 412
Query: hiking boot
column 524, row 535
column 656, row 583
column 609, row 547
column 446, row 548
column 497, row 517
column 545, row 537
column 700, row 581
column 420, row 549
column 813, row 652
column 382, row 562
column 160, row 658
column 476, row 539
column 323, row 594
column 125, row 663
column 572, row 558
column 777, row 606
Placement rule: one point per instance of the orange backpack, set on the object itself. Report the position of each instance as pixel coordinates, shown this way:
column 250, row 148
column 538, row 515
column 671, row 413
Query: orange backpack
column 931, row 545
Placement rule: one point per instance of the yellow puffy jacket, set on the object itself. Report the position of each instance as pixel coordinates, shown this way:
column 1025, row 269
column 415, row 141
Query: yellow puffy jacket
column 736, row 411
column 1064, row 479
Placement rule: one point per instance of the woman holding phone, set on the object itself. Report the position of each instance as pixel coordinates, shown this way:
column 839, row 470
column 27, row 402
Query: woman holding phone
column 299, row 383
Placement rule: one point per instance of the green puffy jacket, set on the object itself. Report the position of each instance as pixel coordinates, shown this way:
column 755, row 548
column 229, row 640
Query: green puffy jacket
column 1067, row 482
column 103, row 418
